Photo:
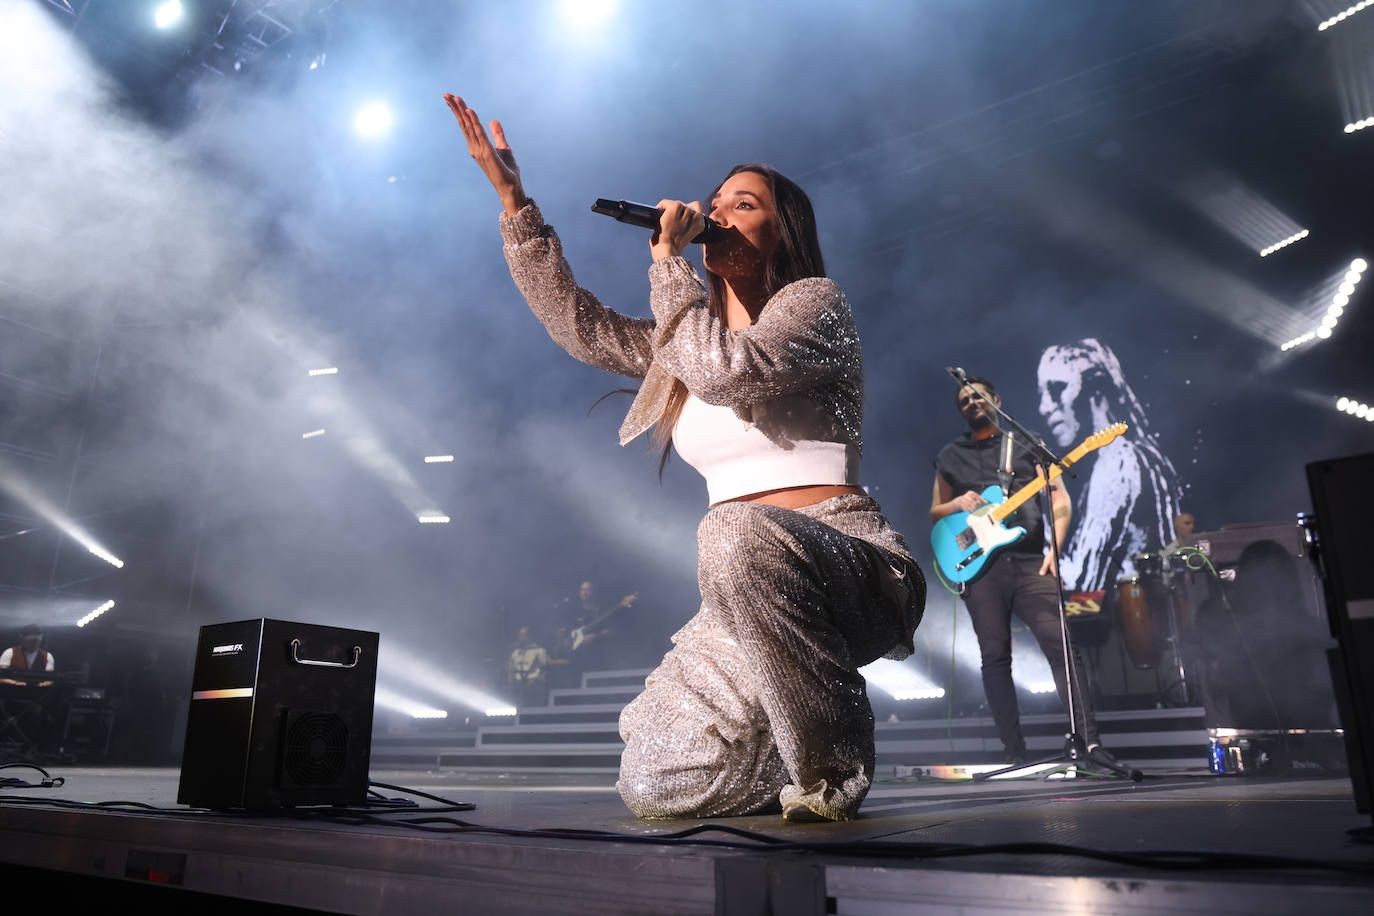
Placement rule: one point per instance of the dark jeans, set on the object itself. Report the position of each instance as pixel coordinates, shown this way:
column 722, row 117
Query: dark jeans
column 1012, row 584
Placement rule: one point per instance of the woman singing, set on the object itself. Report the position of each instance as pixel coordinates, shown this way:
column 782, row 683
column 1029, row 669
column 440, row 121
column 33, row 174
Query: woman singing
column 756, row 377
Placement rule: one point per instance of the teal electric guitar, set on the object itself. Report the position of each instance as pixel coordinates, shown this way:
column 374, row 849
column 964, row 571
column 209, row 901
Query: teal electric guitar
column 964, row 542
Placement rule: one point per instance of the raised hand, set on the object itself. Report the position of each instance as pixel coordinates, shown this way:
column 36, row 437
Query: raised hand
column 677, row 227
column 496, row 160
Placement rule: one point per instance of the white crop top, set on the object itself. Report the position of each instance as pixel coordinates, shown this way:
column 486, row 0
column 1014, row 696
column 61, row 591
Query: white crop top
column 780, row 448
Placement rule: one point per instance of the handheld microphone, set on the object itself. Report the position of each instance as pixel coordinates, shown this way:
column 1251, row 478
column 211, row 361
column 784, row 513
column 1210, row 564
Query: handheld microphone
column 646, row 217
column 958, row 375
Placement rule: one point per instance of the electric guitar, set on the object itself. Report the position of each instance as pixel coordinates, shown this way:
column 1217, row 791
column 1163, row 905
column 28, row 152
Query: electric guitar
column 588, row 630
column 964, row 542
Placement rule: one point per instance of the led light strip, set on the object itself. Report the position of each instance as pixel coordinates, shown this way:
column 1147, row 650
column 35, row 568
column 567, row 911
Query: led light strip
column 1357, row 409
column 1295, row 237
column 1343, row 15
column 227, row 693
column 1336, row 309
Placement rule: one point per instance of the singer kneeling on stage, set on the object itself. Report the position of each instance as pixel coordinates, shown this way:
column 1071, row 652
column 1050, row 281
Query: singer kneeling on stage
column 756, row 377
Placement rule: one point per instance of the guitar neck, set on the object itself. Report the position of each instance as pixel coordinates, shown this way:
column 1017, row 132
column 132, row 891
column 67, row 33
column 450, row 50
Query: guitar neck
column 1015, row 500
column 1093, row 442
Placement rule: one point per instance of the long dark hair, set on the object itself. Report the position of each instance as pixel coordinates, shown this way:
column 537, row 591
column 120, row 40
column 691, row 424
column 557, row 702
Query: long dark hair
column 796, row 257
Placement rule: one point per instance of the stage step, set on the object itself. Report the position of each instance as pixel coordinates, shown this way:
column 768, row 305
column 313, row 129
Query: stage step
column 630, row 677
column 586, row 696
column 578, row 731
column 579, row 714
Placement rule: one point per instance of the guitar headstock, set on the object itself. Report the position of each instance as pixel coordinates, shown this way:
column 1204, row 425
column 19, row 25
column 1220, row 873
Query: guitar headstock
column 1096, row 441
column 1106, row 436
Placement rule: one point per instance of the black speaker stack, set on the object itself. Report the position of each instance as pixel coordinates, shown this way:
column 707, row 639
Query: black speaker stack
column 280, row 716
column 1342, row 502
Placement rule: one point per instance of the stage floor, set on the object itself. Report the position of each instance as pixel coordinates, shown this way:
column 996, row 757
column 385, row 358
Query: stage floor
column 933, row 847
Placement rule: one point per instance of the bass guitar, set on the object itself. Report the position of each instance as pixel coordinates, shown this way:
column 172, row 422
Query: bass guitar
column 589, row 630
column 964, row 542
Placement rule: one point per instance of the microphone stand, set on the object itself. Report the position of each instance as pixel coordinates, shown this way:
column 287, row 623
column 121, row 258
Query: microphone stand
column 1075, row 754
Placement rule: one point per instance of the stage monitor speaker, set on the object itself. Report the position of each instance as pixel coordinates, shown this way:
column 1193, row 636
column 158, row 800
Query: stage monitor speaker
column 280, row 716
column 1342, row 496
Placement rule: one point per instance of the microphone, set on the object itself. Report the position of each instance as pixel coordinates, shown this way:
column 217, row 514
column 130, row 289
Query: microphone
column 1008, row 446
column 646, row 217
column 958, row 375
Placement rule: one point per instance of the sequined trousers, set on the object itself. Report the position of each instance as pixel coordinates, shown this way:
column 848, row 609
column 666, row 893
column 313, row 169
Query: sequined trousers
column 759, row 702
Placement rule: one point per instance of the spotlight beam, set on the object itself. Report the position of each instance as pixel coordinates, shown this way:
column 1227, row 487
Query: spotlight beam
column 22, row 490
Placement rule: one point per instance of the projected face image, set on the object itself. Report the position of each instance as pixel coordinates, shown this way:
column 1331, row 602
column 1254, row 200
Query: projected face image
column 1060, row 382
column 744, row 206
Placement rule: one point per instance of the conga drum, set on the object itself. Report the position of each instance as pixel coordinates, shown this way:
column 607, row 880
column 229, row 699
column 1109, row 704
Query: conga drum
column 1133, row 611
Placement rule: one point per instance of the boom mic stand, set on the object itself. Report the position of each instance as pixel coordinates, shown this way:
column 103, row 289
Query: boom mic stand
column 1075, row 754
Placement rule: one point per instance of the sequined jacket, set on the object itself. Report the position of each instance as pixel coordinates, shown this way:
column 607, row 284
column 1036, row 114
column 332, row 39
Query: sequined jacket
column 803, row 341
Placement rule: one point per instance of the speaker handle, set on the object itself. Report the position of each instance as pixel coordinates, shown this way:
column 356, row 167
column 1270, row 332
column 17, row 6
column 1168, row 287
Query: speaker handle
column 296, row 644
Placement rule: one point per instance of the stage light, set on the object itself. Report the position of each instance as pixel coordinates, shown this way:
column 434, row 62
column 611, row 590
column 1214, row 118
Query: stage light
column 502, row 711
column 332, row 370
column 390, row 699
column 1041, row 687
column 400, row 665
column 433, row 518
column 1359, row 125
column 1284, row 243
column 900, row 681
column 1361, row 410
column 105, row 555
column 1342, row 16
column 313, row 434
column 373, row 120
column 587, row 13
column 1335, row 310
column 931, row 693
column 167, row 13
column 438, row 459
column 1342, row 403
column 95, row 613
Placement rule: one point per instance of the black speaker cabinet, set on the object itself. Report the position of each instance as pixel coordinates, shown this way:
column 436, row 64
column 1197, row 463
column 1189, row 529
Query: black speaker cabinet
column 1342, row 500
column 281, row 715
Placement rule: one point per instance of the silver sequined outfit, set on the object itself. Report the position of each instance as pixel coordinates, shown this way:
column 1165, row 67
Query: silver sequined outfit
column 759, row 701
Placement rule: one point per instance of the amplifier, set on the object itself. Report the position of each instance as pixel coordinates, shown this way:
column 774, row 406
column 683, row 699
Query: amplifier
column 1224, row 547
column 280, row 715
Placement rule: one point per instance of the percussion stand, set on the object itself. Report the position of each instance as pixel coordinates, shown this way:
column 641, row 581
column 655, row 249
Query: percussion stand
column 14, row 741
column 1171, row 592
column 1075, row 754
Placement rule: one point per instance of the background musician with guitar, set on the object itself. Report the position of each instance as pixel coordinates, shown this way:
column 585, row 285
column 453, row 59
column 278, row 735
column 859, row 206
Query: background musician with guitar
column 1017, row 577
column 586, row 643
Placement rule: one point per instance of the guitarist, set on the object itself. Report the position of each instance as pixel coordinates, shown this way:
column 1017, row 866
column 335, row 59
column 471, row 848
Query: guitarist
column 1020, row 579
column 587, row 644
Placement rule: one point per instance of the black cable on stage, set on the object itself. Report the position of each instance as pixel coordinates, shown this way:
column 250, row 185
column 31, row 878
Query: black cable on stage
column 49, row 781
column 1165, row 859
column 432, row 821
column 457, row 806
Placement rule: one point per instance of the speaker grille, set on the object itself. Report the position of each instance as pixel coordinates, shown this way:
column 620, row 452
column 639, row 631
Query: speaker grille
column 316, row 749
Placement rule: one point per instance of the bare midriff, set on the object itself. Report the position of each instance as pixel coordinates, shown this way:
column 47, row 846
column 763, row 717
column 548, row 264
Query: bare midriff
column 797, row 497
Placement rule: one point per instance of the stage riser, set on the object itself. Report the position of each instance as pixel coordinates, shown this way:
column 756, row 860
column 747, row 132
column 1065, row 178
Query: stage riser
column 584, row 696
column 578, row 731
